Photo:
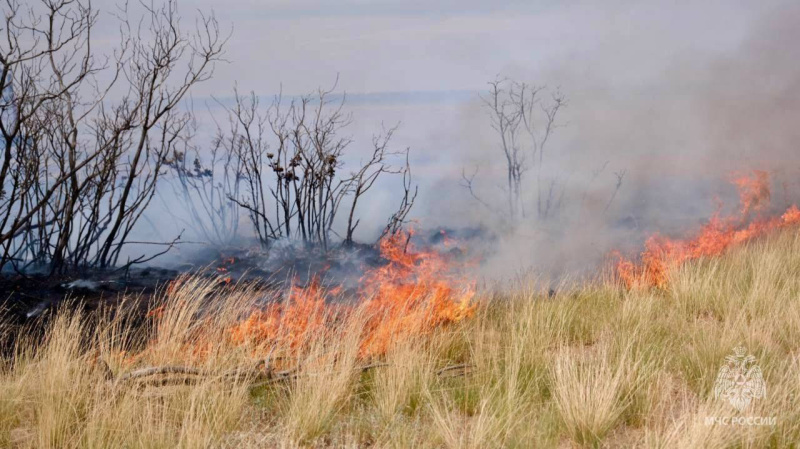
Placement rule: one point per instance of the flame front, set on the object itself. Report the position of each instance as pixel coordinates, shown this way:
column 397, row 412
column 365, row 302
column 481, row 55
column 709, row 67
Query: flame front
column 289, row 323
column 662, row 254
column 414, row 292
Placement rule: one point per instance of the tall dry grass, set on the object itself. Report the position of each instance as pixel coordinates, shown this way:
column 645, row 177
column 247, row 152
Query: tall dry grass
column 593, row 366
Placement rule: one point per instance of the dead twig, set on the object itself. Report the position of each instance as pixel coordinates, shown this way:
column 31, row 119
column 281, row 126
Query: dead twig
column 159, row 370
column 455, row 370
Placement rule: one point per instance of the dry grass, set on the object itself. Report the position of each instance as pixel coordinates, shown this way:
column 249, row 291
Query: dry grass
column 596, row 366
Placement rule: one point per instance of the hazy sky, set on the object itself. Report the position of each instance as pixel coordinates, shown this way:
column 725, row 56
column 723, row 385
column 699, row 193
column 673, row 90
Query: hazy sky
column 433, row 45
column 423, row 63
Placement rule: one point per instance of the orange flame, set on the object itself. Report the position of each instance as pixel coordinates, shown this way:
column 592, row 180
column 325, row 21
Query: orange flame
column 156, row 313
column 174, row 285
column 754, row 193
column 662, row 254
column 415, row 292
column 289, row 322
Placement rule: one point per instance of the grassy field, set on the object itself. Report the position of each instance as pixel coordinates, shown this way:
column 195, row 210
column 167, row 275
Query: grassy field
column 599, row 366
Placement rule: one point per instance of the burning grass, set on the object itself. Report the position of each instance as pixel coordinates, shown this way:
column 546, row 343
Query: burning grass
column 413, row 293
column 662, row 254
column 596, row 366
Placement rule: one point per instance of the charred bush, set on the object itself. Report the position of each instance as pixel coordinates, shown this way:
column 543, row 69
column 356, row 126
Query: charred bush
column 294, row 182
column 78, row 169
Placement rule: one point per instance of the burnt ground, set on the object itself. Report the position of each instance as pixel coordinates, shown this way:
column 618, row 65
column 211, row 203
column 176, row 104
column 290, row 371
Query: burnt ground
column 27, row 300
column 25, row 297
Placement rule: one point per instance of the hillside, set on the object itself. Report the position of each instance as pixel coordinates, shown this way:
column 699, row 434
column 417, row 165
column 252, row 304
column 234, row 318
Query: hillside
column 599, row 366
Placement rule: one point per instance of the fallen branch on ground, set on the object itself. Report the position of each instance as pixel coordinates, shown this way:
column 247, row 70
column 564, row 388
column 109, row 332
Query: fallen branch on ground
column 258, row 376
column 455, row 370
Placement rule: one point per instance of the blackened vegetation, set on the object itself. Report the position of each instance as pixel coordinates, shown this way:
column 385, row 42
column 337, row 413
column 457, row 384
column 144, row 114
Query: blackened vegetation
column 283, row 166
column 87, row 139
column 28, row 302
column 79, row 168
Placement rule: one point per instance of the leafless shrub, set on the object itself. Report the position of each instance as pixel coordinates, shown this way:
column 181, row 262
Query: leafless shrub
column 398, row 219
column 620, row 175
column 292, row 163
column 524, row 123
column 205, row 190
column 78, row 170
